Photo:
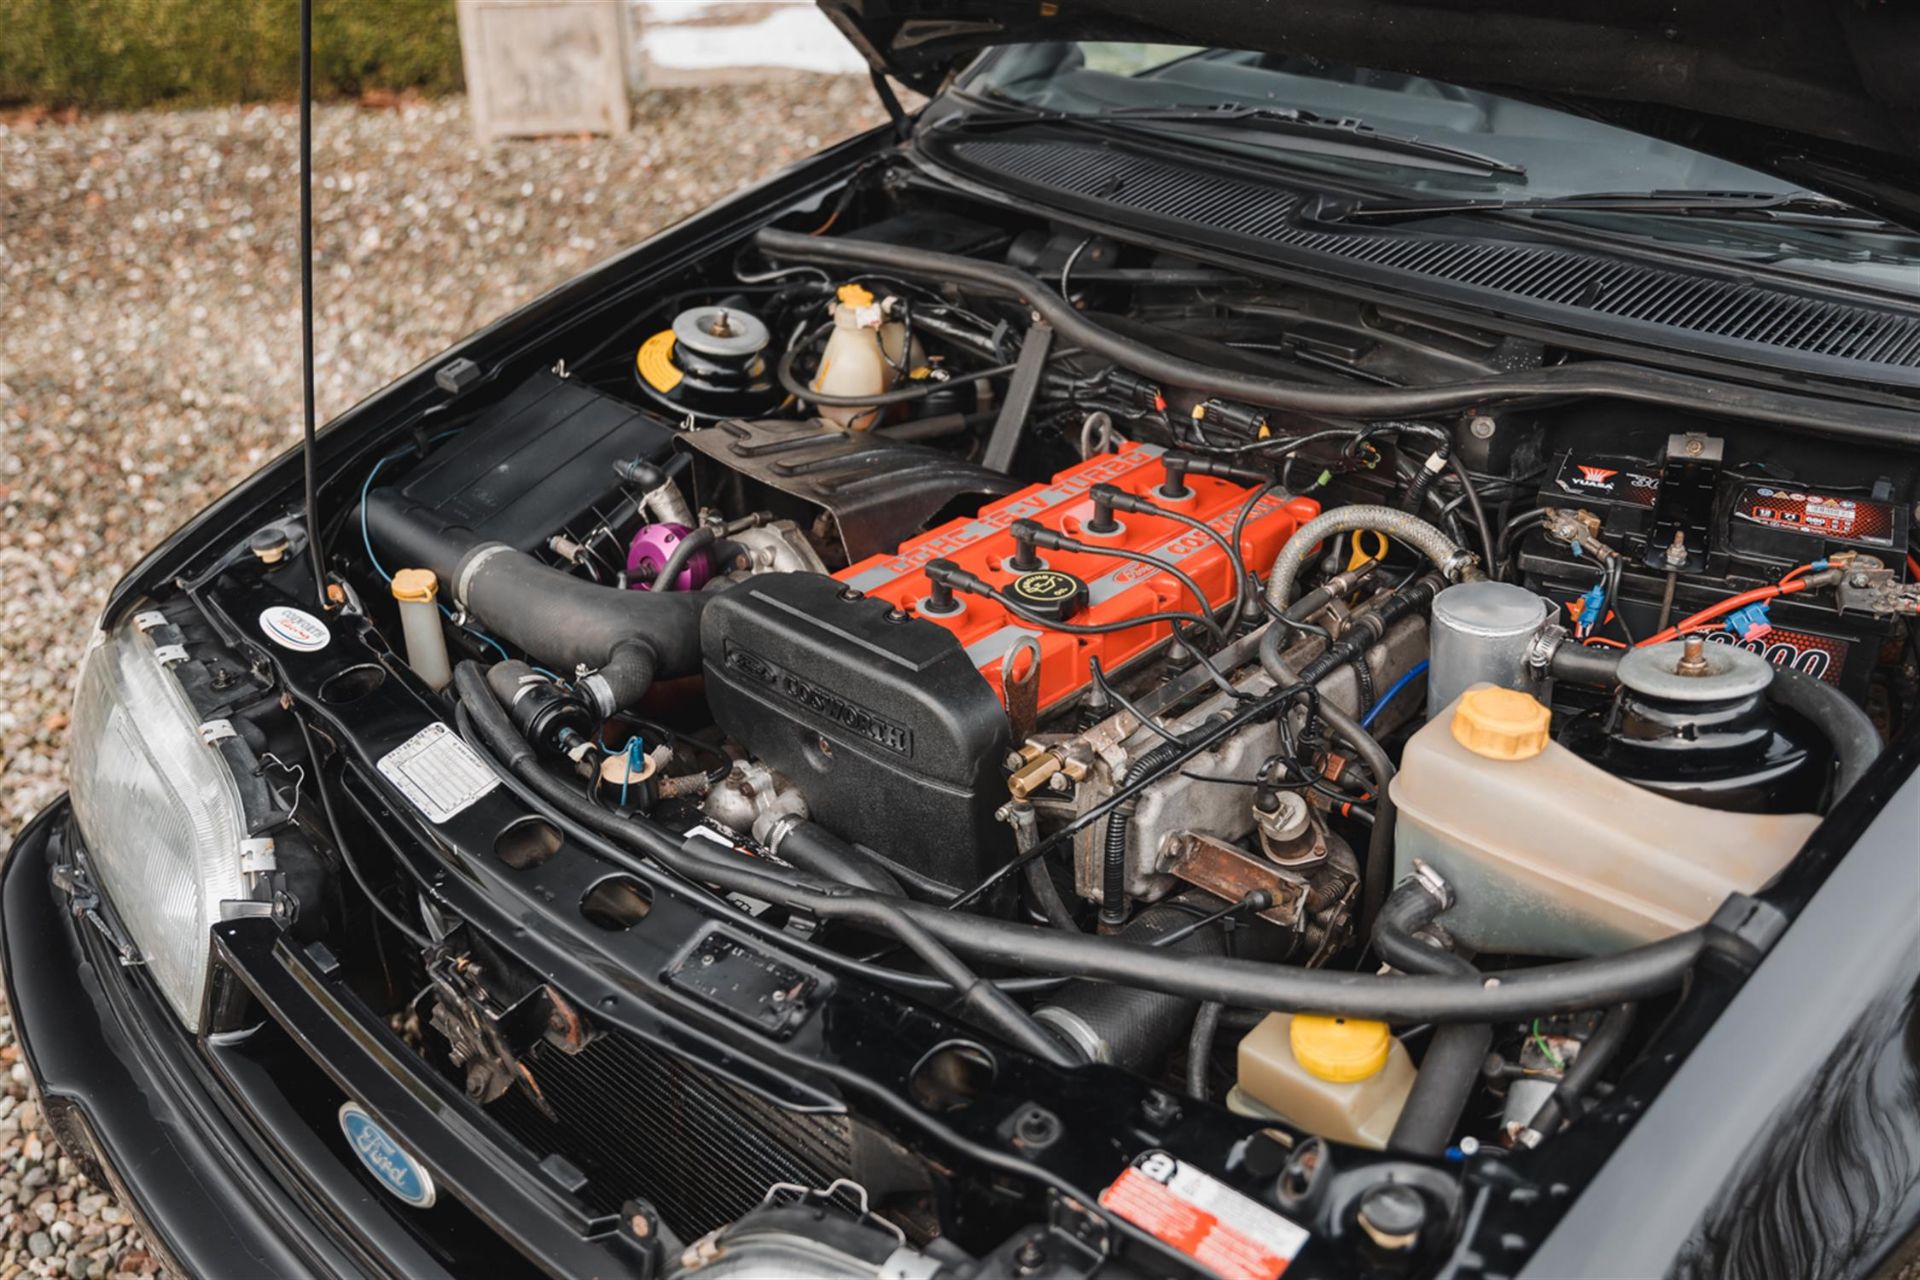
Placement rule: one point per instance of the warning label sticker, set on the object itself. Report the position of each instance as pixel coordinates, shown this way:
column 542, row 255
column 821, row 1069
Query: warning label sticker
column 1229, row 1234
column 438, row 772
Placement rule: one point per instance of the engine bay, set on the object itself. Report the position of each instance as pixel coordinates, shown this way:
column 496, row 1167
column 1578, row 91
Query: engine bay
column 839, row 579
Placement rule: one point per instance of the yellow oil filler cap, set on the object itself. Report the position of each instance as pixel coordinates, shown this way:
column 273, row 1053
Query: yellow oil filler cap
column 1501, row 724
column 415, row 586
column 1339, row 1050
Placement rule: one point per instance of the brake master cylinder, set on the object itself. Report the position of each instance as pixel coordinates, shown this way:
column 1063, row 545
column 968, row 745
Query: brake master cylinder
column 1551, row 855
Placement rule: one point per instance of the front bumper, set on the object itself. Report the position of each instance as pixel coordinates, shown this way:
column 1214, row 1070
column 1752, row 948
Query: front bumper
column 226, row 1149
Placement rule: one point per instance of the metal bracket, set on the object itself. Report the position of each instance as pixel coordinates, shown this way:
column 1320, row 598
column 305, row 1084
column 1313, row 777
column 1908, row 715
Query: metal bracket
column 169, row 654
column 257, row 856
column 148, row 619
column 212, row 731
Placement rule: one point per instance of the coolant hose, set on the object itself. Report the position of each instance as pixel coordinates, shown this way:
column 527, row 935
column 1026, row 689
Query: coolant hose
column 1856, row 743
column 1847, row 728
column 1131, row 1027
column 1615, row 379
column 1378, row 872
column 626, row 638
column 811, row 847
column 697, row 858
column 1457, row 563
column 1451, row 1066
column 1561, row 987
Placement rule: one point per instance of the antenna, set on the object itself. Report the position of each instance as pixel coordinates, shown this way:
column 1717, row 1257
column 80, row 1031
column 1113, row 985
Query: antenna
column 306, row 300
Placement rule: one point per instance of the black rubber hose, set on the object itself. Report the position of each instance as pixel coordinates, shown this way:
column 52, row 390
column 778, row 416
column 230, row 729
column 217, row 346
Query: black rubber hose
column 1113, row 865
column 1206, row 1029
column 1449, row 1073
column 1856, row 743
column 1450, row 1068
column 1046, row 896
column 989, row 1006
column 1563, row 1105
column 1521, row 993
column 697, row 540
column 813, row 848
column 626, row 637
column 1583, row 665
column 1599, row 378
column 1127, row 1026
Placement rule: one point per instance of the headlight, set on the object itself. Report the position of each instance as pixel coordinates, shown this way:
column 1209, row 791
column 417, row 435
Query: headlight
column 159, row 808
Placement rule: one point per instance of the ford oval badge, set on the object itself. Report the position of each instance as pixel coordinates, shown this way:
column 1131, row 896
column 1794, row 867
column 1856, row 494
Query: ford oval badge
column 389, row 1163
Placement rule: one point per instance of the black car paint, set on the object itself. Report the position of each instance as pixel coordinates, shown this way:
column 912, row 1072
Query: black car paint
column 1820, row 92
column 220, row 1184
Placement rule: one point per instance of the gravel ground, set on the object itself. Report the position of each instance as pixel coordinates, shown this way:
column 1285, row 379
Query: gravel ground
column 149, row 359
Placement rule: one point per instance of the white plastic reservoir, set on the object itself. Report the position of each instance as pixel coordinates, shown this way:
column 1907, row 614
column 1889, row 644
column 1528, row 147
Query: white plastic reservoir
column 1551, row 856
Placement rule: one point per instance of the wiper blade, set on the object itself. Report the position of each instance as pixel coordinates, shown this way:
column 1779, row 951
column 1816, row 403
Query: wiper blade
column 1291, row 122
column 1780, row 206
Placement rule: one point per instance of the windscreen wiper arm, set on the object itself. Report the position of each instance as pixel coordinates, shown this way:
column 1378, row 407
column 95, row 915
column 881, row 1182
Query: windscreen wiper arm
column 1769, row 205
column 1286, row 122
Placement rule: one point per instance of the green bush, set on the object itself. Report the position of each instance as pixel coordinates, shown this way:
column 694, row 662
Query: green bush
column 135, row 53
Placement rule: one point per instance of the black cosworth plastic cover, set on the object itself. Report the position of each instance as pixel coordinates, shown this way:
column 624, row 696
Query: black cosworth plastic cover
column 1836, row 70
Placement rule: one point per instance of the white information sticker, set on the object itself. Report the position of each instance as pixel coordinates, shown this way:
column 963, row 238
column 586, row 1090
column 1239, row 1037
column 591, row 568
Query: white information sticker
column 1229, row 1234
column 295, row 629
column 438, row 772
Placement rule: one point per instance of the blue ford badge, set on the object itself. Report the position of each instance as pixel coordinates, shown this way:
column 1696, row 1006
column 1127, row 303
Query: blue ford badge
column 397, row 1171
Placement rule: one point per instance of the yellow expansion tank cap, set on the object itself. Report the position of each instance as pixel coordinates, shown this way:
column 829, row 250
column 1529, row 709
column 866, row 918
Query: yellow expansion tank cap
column 1339, row 1050
column 854, row 295
column 1501, row 724
column 415, row 585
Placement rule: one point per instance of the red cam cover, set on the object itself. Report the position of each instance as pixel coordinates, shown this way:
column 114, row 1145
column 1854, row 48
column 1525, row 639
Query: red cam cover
column 1118, row 589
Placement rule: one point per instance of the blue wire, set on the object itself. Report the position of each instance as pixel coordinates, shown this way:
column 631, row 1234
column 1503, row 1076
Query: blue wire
column 1381, row 703
column 634, row 760
column 367, row 540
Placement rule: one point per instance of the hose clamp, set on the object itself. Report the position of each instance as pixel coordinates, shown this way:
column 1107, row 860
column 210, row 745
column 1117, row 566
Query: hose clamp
column 1461, row 566
column 1545, row 643
column 599, row 692
column 472, row 566
column 1433, row 882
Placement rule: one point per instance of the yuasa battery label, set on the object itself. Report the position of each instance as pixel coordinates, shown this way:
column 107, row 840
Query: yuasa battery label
column 1822, row 657
column 1824, row 514
column 1608, row 482
column 1227, row 1233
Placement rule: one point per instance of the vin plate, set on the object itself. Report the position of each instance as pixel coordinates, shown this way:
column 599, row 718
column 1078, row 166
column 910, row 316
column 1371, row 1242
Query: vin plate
column 438, row 772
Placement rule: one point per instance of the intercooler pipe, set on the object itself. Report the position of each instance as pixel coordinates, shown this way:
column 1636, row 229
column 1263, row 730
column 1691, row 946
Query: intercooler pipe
column 1132, row 1027
column 1455, row 561
column 1856, row 743
column 625, row 638
column 1451, row 1066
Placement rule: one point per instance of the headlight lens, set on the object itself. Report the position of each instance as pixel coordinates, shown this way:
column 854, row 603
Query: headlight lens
column 159, row 808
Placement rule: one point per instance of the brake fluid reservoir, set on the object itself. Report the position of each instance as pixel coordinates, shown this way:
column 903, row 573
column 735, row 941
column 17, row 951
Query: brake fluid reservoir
column 854, row 363
column 1346, row 1079
column 1549, row 855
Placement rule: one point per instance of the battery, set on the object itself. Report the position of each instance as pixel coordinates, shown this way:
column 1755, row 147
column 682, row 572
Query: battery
column 1738, row 531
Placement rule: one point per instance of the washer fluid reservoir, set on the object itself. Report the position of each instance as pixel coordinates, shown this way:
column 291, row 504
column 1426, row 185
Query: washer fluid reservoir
column 1549, row 855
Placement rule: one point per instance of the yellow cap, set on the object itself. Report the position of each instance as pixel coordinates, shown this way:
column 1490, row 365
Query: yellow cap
column 415, row 586
column 1339, row 1050
column 855, row 295
column 1501, row 724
